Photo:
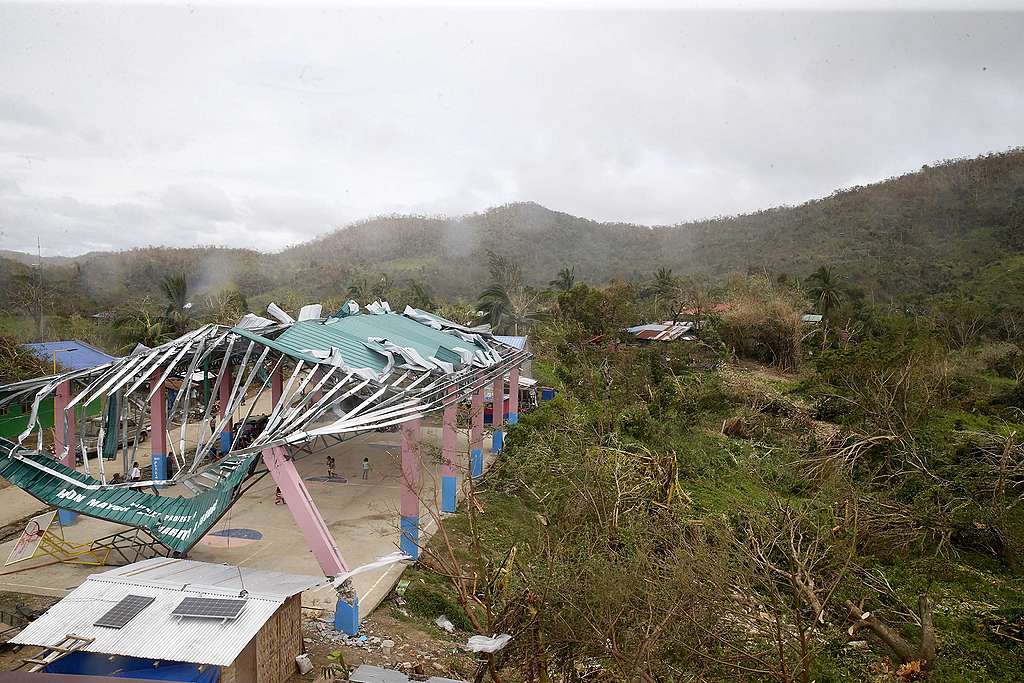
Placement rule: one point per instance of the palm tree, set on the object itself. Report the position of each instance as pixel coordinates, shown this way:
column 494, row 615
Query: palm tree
column 510, row 305
column 381, row 287
column 359, row 291
column 418, row 296
column 178, row 311
column 825, row 290
column 665, row 282
column 137, row 326
column 565, row 280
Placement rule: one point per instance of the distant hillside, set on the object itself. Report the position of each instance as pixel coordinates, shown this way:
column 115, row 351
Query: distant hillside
column 915, row 234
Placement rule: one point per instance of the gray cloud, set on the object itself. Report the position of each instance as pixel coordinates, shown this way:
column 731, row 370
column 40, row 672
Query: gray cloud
column 14, row 109
column 261, row 127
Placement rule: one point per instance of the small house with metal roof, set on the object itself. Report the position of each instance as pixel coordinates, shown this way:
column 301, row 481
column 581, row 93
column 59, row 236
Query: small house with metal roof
column 128, row 621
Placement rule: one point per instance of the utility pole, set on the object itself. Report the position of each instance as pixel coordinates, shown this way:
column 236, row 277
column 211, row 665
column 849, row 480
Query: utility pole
column 39, row 290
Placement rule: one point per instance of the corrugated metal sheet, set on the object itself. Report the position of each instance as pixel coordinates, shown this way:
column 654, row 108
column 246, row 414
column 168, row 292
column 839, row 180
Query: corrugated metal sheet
column 518, row 343
column 350, row 335
column 71, row 355
column 667, row 331
column 177, row 522
column 175, row 573
column 154, row 633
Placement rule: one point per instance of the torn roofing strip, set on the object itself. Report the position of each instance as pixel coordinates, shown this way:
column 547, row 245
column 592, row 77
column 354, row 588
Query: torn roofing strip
column 281, row 348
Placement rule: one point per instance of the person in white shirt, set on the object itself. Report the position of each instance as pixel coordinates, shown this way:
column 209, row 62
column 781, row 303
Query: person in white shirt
column 136, row 473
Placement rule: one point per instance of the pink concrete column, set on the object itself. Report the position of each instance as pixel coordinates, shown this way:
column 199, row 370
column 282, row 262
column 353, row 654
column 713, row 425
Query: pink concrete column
column 497, row 414
column 304, row 510
column 410, row 501
column 64, row 440
column 513, row 396
column 276, row 386
column 318, row 393
column 476, row 434
column 158, row 432
column 225, row 398
column 449, row 474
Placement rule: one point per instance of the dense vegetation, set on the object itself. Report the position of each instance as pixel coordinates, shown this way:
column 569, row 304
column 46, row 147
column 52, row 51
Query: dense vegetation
column 774, row 501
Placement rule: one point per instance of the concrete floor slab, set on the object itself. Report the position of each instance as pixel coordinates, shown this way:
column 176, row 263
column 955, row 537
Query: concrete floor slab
column 362, row 516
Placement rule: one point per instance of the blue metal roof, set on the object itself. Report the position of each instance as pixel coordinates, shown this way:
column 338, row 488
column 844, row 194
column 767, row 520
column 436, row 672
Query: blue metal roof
column 71, row 355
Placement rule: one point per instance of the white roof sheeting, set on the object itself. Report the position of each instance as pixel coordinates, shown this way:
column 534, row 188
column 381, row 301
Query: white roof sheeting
column 221, row 577
column 518, row 343
column 154, row 633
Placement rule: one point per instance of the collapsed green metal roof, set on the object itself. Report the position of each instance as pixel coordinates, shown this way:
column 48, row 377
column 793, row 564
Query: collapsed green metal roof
column 177, row 522
column 351, row 335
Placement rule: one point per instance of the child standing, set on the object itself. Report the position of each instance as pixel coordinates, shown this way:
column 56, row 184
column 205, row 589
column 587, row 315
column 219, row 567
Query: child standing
column 366, row 469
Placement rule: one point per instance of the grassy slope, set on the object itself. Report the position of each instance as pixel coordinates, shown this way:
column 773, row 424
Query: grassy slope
column 722, row 475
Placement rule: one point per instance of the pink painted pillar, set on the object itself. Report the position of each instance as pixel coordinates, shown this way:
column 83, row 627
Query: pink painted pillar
column 158, row 432
column 497, row 413
column 317, row 394
column 64, row 439
column 476, row 434
column 410, row 502
column 304, row 510
column 276, row 387
column 225, row 397
column 513, row 396
column 449, row 474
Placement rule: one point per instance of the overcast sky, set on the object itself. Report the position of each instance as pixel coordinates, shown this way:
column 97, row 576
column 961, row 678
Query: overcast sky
column 262, row 127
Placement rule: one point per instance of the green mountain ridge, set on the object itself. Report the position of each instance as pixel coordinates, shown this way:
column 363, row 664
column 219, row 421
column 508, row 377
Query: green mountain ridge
column 916, row 234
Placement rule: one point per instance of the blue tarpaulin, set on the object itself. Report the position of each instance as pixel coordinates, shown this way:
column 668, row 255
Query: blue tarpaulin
column 94, row 664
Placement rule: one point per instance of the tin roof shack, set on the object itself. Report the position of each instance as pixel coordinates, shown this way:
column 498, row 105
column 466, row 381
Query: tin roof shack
column 665, row 331
column 258, row 644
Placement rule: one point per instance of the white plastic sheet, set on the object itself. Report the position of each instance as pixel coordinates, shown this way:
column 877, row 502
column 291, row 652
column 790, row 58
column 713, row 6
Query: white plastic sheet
column 370, row 566
column 485, row 644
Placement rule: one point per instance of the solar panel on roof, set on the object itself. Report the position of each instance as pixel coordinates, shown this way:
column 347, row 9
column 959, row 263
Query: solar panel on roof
column 124, row 611
column 209, row 608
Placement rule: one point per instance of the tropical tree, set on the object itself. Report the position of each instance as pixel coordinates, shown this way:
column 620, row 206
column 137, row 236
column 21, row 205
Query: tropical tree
column 825, row 290
column 665, row 283
column 178, row 310
column 509, row 304
column 417, row 296
column 137, row 325
column 359, row 291
column 226, row 306
column 565, row 280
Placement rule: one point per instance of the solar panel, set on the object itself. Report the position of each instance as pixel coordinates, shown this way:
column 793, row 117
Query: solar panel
column 124, row 611
column 209, row 608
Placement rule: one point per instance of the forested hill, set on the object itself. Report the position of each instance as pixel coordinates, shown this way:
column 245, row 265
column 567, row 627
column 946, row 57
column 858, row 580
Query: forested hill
column 916, row 233
column 922, row 232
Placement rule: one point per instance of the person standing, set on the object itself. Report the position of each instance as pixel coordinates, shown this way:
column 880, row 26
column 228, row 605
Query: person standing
column 330, row 467
column 366, row 469
column 136, row 473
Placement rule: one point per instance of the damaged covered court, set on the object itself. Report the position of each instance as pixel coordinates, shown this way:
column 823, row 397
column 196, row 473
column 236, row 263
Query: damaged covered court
column 229, row 406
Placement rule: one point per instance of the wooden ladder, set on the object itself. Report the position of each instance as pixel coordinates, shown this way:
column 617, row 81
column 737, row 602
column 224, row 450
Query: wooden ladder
column 51, row 654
